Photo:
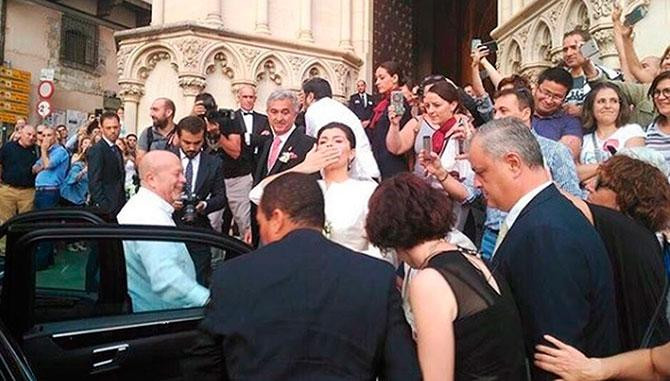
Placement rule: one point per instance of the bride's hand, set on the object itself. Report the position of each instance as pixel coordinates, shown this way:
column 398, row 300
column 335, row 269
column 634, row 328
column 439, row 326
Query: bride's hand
column 317, row 160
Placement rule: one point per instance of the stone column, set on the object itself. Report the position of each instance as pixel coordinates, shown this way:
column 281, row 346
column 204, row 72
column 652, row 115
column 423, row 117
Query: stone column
column 213, row 11
column 157, row 12
column 130, row 95
column 345, row 25
column 262, row 23
column 191, row 86
column 516, row 6
column 305, row 33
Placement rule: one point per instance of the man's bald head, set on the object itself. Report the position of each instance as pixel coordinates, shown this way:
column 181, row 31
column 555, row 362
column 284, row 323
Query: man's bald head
column 161, row 173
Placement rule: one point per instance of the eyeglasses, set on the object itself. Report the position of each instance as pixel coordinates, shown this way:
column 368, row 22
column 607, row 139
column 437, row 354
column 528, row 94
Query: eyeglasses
column 658, row 92
column 547, row 93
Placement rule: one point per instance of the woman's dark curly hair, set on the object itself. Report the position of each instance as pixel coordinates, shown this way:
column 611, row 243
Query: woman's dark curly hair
column 406, row 211
column 642, row 191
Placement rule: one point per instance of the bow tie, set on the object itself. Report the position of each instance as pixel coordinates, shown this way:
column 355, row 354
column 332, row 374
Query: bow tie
column 247, row 113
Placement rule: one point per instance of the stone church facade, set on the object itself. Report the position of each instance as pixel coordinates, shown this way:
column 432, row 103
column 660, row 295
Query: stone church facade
column 530, row 32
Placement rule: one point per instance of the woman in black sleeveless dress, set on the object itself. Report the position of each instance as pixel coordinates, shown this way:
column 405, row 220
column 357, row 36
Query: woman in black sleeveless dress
column 467, row 324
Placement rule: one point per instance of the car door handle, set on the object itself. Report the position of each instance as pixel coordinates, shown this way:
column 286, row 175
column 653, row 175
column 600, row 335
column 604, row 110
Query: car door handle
column 108, row 353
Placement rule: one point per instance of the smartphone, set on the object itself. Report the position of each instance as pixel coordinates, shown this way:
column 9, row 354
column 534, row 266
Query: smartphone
column 590, row 49
column 461, row 142
column 475, row 43
column 427, row 144
column 635, row 15
column 492, row 46
column 398, row 102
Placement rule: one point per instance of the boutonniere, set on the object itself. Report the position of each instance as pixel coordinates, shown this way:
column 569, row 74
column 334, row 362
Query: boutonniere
column 288, row 155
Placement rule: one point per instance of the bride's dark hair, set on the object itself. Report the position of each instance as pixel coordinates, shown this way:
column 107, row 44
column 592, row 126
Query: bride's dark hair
column 348, row 133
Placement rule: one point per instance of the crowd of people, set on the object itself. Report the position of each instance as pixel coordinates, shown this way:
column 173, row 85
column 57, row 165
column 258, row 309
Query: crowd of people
column 456, row 234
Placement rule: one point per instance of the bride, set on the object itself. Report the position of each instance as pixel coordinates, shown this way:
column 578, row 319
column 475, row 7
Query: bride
column 346, row 198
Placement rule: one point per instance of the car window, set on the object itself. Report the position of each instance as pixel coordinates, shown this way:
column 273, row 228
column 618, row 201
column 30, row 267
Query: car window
column 67, row 280
column 77, row 279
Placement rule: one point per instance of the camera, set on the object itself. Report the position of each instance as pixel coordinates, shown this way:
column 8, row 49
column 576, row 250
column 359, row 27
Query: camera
column 224, row 118
column 189, row 201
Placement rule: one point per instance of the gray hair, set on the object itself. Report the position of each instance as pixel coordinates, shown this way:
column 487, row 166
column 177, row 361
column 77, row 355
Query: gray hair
column 501, row 136
column 282, row 94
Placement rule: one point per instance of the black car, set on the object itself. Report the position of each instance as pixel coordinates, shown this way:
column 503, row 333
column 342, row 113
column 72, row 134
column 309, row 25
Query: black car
column 71, row 314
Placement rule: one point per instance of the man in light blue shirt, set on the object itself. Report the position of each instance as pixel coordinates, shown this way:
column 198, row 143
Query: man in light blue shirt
column 51, row 169
column 161, row 275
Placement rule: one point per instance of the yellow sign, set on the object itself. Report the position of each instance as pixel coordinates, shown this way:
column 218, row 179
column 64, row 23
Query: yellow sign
column 14, row 96
column 10, row 118
column 14, row 107
column 15, row 85
column 19, row 75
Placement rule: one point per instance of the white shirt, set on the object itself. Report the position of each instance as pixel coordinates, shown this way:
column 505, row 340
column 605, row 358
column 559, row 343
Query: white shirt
column 591, row 153
column 161, row 274
column 107, row 141
column 327, row 110
column 523, row 201
column 248, row 120
column 195, row 162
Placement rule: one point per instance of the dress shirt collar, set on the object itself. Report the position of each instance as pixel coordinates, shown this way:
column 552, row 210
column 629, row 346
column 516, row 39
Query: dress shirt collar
column 284, row 137
column 522, row 203
column 107, row 141
column 183, row 156
column 556, row 115
column 149, row 198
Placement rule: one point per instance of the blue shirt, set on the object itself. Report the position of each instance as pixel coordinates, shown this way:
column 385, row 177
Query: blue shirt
column 54, row 174
column 557, row 125
column 75, row 187
column 558, row 158
column 161, row 274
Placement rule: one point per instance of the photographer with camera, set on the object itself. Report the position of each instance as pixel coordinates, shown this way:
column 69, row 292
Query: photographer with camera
column 204, row 191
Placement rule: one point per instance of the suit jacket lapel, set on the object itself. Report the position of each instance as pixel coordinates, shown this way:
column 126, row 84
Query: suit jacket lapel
column 257, row 123
column 288, row 147
column 263, row 159
column 203, row 169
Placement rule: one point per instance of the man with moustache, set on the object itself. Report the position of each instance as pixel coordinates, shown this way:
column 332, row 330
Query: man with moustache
column 204, row 183
column 161, row 134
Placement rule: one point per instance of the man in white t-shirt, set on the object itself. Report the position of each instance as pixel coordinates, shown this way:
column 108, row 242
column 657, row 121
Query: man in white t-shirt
column 323, row 109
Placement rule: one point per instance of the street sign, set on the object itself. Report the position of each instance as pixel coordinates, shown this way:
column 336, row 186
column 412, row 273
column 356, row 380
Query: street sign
column 7, row 117
column 14, row 96
column 47, row 74
column 16, row 108
column 45, row 89
column 44, row 108
column 20, row 75
column 16, row 85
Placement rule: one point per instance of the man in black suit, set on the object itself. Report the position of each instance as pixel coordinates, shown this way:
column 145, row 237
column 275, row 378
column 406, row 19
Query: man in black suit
column 361, row 103
column 106, row 172
column 302, row 307
column 255, row 125
column 205, row 185
column 287, row 147
column 552, row 258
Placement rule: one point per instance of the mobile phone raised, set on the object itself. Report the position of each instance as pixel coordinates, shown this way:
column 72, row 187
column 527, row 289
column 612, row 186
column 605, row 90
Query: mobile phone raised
column 636, row 14
column 590, row 49
column 427, row 144
column 398, row 102
column 492, row 46
column 475, row 43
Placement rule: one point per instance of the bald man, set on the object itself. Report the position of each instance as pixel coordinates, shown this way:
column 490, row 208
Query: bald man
column 161, row 275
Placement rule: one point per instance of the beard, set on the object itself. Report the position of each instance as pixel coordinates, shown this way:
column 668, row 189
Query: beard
column 159, row 123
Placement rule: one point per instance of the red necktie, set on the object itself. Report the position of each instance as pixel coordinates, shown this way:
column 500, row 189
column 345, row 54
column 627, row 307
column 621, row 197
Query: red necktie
column 274, row 152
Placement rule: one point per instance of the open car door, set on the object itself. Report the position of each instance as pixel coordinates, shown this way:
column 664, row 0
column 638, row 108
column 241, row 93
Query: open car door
column 65, row 299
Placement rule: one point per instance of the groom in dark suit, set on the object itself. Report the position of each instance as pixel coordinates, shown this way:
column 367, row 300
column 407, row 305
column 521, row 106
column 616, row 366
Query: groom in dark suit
column 106, row 172
column 302, row 307
column 552, row 258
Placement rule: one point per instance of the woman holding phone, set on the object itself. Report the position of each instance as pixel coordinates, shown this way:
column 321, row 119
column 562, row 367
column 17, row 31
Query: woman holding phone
column 388, row 81
column 441, row 131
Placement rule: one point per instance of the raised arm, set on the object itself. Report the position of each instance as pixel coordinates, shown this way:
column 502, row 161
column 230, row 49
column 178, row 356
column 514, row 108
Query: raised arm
column 493, row 73
column 399, row 141
column 477, row 56
column 618, row 40
column 634, row 64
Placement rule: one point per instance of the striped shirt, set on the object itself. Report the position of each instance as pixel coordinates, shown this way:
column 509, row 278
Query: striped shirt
column 658, row 140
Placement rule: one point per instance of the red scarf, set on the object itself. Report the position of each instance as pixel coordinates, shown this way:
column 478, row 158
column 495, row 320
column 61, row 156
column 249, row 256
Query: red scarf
column 379, row 110
column 438, row 136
